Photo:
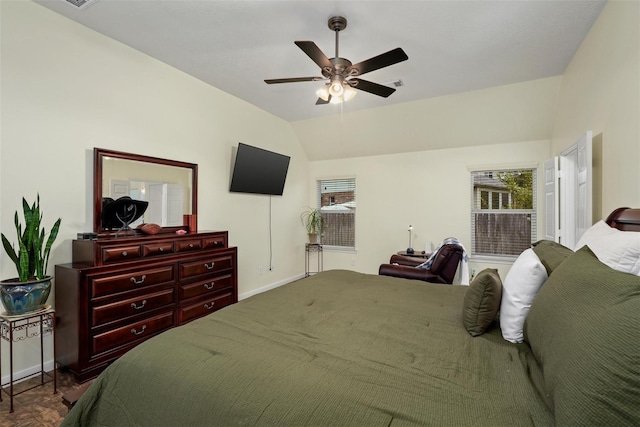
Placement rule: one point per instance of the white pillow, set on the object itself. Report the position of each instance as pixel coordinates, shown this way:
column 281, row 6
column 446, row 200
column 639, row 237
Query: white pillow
column 619, row 250
column 519, row 289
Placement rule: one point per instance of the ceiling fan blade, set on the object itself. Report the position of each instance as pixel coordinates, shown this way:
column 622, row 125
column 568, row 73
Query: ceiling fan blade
column 321, row 101
column 383, row 60
column 314, row 52
column 373, row 88
column 293, row 80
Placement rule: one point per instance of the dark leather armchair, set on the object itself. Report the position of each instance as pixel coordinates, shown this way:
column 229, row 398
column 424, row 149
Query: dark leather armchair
column 443, row 270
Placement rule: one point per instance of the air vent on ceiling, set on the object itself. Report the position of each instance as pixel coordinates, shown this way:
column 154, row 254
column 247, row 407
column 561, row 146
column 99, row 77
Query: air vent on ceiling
column 80, row 4
column 394, row 83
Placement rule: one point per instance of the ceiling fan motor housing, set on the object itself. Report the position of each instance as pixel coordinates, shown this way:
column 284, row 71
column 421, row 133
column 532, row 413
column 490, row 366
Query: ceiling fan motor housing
column 337, row 23
column 339, row 66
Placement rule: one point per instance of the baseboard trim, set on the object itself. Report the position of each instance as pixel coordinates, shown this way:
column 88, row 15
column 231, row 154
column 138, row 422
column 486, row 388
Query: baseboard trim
column 269, row 287
column 27, row 373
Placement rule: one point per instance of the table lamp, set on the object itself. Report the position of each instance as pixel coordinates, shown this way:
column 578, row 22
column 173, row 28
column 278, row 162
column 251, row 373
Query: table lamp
column 410, row 249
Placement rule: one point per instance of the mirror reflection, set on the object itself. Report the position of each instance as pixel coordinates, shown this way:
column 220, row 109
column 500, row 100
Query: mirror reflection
column 167, row 186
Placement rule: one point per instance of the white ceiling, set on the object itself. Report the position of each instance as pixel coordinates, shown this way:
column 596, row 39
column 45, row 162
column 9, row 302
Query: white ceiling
column 453, row 46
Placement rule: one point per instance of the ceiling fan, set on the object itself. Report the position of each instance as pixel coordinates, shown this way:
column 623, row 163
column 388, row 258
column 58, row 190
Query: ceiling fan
column 341, row 73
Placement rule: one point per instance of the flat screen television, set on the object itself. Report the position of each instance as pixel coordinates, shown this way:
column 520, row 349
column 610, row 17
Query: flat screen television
column 258, row 171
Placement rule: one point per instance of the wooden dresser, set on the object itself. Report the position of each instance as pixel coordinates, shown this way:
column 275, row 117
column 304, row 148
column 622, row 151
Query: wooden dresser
column 120, row 292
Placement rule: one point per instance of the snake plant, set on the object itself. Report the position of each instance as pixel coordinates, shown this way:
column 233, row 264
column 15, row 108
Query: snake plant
column 32, row 256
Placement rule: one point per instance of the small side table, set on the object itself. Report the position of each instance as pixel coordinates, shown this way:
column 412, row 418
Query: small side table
column 416, row 254
column 19, row 328
column 310, row 250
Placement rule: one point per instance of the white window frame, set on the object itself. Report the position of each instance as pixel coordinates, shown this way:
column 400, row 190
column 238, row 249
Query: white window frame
column 336, row 248
column 502, row 258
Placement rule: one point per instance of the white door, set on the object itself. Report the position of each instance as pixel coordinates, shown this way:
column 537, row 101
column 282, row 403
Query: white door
column 551, row 202
column 584, row 183
column 119, row 188
column 568, row 197
column 153, row 215
column 174, row 205
column 572, row 214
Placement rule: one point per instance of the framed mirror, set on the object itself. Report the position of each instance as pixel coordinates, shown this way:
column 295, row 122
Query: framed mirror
column 169, row 186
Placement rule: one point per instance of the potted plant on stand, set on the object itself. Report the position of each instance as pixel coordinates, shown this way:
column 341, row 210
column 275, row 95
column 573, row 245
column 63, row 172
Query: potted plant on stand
column 313, row 222
column 30, row 290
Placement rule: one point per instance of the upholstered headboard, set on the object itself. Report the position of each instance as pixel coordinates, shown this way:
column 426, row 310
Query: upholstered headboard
column 625, row 219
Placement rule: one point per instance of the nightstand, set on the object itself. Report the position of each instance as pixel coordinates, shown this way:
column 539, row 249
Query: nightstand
column 416, row 254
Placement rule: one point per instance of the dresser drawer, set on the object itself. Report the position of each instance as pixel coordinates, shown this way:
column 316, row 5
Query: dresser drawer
column 121, row 253
column 153, row 249
column 204, row 307
column 188, row 245
column 129, row 307
column 215, row 242
column 134, row 331
column 203, row 287
column 134, row 279
column 209, row 265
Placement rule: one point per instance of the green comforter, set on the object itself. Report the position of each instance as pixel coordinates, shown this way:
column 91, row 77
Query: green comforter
column 336, row 349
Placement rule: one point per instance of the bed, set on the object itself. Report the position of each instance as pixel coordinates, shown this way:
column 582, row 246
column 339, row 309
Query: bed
column 343, row 348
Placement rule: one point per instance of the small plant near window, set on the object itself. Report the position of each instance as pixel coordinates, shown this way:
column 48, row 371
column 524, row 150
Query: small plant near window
column 313, row 222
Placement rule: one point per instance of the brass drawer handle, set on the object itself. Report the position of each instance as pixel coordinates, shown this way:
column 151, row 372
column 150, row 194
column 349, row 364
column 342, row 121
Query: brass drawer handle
column 124, row 253
column 210, row 267
column 160, row 249
column 191, row 245
column 209, row 286
column 134, row 332
column 136, row 307
column 138, row 282
column 209, row 306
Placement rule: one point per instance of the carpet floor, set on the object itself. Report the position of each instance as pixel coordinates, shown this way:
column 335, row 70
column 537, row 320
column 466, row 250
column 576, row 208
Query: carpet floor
column 38, row 407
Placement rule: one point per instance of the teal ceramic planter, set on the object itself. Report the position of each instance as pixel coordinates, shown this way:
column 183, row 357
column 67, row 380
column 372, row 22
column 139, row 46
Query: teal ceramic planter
column 24, row 297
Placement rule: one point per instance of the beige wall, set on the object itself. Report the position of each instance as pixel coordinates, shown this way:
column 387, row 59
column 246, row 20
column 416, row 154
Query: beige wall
column 515, row 112
column 429, row 190
column 67, row 89
column 600, row 91
column 506, row 126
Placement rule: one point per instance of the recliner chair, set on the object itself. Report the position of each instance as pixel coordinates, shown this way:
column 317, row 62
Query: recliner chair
column 443, row 269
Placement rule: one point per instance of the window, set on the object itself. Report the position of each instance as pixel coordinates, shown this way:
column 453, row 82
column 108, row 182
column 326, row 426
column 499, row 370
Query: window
column 503, row 212
column 337, row 203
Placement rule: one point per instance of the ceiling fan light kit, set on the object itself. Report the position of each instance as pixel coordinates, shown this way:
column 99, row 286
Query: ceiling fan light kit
column 336, row 88
column 341, row 73
column 323, row 93
column 348, row 93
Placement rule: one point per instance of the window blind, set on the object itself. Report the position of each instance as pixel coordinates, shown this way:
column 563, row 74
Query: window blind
column 503, row 212
column 337, row 204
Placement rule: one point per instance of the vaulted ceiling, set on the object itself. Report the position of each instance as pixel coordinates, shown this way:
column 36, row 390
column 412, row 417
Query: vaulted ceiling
column 453, row 46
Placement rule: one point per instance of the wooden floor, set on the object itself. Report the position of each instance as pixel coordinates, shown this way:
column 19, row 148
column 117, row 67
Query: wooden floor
column 38, row 407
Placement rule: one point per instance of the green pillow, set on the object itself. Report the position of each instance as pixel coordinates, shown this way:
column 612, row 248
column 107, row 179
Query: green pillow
column 584, row 331
column 551, row 254
column 482, row 301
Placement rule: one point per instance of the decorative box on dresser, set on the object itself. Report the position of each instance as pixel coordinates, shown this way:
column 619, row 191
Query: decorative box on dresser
column 120, row 292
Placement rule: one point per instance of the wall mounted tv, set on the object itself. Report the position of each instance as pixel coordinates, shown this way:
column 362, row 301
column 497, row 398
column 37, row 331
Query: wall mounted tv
column 258, row 171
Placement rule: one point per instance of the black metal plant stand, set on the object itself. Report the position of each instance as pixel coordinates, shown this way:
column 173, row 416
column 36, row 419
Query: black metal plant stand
column 19, row 328
column 310, row 249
